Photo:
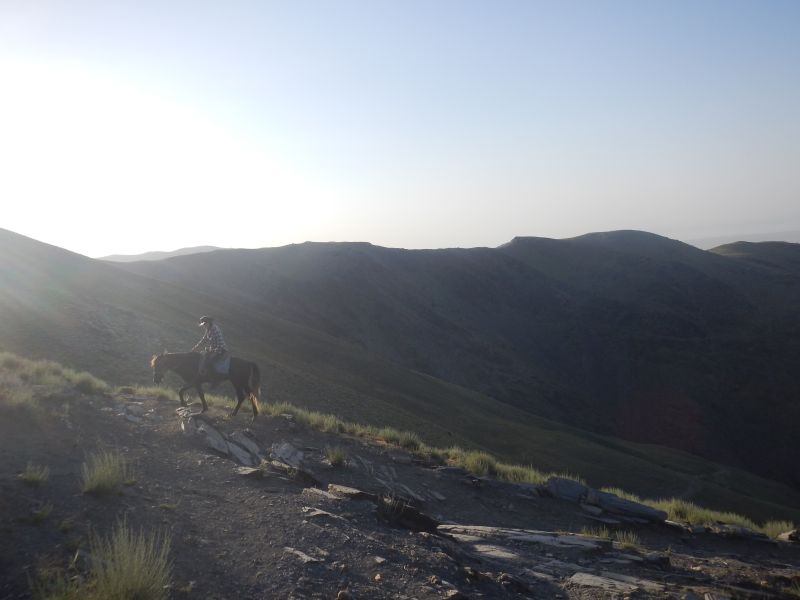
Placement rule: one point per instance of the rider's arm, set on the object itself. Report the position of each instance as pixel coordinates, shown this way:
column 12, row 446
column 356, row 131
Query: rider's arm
column 200, row 343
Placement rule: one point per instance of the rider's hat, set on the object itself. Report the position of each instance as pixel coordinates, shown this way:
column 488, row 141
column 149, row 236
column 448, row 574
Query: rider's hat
column 205, row 319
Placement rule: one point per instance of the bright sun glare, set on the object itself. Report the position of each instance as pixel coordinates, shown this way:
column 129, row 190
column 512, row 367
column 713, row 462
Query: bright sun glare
column 76, row 144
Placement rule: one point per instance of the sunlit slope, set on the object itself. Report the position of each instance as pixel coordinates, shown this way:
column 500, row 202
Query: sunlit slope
column 624, row 333
column 92, row 315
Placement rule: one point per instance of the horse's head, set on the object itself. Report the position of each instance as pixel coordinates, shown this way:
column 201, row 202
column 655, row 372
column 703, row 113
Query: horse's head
column 159, row 366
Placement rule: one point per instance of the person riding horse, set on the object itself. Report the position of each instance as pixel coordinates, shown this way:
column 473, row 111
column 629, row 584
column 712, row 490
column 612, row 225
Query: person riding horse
column 215, row 348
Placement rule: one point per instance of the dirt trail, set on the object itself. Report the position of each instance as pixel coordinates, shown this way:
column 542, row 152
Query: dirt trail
column 276, row 534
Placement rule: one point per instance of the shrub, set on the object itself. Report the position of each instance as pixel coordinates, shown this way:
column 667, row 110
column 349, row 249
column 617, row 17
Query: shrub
column 774, row 528
column 519, row 473
column 104, row 472
column 683, row 510
column 336, row 455
column 34, row 476
column 480, row 463
column 627, row 540
column 87, row 383
column 131, row 566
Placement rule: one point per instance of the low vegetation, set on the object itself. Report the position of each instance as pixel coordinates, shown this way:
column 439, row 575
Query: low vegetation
column 16, row 371
column 483, row 464
column 599, row 532
column 34, row 475
column 40, row 513
column 126, row 565
column 105, row 472
column 336, row 455
column 627, row 540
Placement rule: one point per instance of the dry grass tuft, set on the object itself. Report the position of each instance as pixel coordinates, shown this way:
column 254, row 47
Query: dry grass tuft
column 105, row 472
column 34, row 475
column 599, row 532
column 336, row 455
column 130, row 565
column 627, row 540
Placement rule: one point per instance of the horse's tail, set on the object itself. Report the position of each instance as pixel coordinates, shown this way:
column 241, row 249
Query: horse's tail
column 254, row 386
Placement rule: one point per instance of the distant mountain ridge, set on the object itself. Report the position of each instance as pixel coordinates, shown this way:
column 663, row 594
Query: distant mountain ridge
column 158, row 255
column 708, row 243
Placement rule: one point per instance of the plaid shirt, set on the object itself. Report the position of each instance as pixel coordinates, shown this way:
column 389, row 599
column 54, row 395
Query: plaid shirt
column 213, row 340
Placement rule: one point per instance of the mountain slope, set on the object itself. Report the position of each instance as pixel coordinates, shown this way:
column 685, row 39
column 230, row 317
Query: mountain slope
column 626, row 333
column 97, row 316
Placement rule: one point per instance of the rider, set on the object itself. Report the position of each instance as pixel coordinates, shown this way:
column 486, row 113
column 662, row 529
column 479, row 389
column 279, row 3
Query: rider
column 215, row 347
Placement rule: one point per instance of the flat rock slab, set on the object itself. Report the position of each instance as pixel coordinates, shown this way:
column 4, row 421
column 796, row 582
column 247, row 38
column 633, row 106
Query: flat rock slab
column 604, row 583
column 249, row 472
column 350, row 492
column 312, row 491
column 492, row 551
column 548, row 538
column 247, row 443
column 645, row 584
column 305, row 558
column 287, row 453
column 790, row 536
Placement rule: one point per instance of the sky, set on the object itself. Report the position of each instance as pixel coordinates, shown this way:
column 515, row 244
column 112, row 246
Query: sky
column 130, row 126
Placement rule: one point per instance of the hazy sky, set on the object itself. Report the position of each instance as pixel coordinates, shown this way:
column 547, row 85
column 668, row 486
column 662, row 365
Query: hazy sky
column 128, row 126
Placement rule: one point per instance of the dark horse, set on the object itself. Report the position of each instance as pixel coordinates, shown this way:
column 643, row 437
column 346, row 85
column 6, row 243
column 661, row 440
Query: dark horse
column 244, row 375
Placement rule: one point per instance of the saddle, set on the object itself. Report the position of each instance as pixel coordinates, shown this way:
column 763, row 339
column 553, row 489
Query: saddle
column 223, row 365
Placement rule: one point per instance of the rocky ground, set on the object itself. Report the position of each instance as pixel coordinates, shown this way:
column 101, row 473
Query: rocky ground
column 257, row 511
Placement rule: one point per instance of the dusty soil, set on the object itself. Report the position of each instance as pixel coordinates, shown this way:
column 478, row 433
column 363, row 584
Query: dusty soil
column 260, row 537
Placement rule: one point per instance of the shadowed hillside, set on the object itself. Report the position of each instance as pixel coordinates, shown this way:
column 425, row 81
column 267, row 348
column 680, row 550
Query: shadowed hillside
column 332, row 327
column 625, row 333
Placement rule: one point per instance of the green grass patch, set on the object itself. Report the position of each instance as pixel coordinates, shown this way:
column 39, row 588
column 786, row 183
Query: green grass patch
column 621, row 493
column 18, row 373
column 688, row 512
column 34, row 475
column 105, row 472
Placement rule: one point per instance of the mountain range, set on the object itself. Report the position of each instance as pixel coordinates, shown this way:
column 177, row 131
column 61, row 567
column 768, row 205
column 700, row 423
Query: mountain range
column 633, row 359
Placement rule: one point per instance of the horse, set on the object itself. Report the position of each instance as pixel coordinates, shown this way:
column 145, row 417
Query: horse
column 243, row 374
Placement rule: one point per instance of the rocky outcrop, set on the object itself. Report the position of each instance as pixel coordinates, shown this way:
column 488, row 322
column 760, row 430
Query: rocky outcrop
column 592, row 500
column 236, row 446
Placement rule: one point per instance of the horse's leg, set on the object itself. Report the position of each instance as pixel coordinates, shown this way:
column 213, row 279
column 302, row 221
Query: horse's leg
column 182, row 391
column 254, row 402
column 239, row 399
column 199, row 387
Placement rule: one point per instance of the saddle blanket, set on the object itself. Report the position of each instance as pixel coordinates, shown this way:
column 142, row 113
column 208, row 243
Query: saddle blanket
column 223, row 365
